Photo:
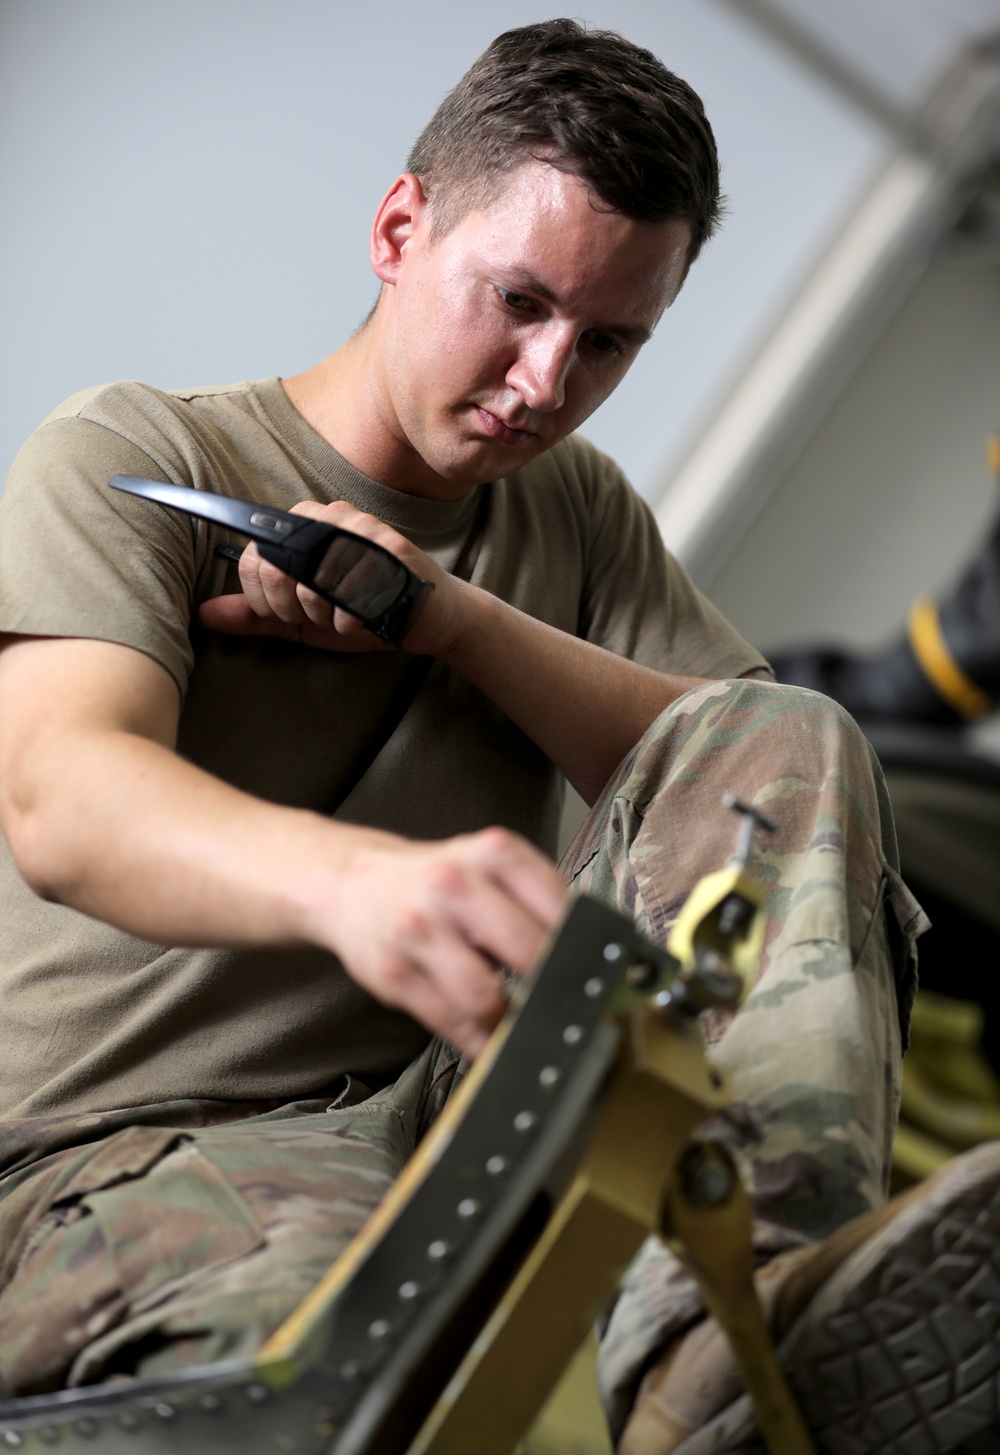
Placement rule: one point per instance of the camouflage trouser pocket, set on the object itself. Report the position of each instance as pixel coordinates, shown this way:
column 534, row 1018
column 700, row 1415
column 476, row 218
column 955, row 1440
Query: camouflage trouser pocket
column 141, row 1214
column 182, row 1217
column 154, row 1250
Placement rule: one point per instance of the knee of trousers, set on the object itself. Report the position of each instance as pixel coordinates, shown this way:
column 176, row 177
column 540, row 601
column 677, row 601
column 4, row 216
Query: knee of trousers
column 770, row 722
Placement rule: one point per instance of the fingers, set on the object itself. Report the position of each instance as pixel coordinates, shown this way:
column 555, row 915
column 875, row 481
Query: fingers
column 348, row 517
column 235, row 616
column 502, row 926
column 271, row 593
column 491, row 890
column 459, row 909
column 462, row 1000
column 274, row 604
column 525, row 875
column 274, row 596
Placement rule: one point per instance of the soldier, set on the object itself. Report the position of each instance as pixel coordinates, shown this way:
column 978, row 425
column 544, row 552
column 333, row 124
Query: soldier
column 260, row 871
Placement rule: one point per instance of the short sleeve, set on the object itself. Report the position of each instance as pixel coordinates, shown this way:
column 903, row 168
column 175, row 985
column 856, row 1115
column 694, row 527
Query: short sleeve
column 78, row 559
column 638, row 601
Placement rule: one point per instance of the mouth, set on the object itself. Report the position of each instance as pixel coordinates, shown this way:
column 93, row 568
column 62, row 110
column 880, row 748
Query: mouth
column 497, row 429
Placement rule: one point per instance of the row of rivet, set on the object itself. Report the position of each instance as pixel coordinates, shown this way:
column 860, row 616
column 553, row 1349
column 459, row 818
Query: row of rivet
column 131, row 1419
column 523, row 1122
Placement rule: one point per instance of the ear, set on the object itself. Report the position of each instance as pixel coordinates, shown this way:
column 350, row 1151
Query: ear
column 401, row 215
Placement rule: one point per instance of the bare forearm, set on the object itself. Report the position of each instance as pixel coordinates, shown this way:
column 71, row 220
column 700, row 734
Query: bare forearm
column 585, row 707
column 143, row 839
column 102, row 815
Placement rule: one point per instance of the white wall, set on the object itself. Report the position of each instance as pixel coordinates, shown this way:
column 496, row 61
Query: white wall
column 186, row 188
column 893, row 490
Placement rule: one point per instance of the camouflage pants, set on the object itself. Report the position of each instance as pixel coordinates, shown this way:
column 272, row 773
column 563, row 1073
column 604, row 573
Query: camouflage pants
column 814, row 1054
column 165, row 1241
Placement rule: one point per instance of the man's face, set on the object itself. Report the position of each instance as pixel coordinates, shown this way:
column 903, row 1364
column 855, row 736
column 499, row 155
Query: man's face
column 504, row 335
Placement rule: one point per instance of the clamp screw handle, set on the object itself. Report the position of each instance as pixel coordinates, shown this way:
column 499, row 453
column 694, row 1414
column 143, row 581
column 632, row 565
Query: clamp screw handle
column 752, row 819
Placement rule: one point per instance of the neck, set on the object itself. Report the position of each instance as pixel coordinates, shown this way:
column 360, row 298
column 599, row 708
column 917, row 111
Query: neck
column 343, row 400
column 332, row 398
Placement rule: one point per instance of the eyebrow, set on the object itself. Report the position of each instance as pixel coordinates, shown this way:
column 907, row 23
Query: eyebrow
column 632, row 333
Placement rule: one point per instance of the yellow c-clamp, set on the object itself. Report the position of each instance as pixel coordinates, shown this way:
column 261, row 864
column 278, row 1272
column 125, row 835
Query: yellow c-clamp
column 719, row 934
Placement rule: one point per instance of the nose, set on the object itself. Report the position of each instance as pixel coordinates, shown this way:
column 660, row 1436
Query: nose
column 542, row 367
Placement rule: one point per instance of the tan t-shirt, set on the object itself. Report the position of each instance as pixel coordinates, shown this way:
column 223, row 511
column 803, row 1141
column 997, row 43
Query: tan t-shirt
column 95, row 1019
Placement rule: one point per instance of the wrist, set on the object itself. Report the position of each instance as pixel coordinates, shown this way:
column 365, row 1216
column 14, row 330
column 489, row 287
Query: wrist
column 470, row 623
column 443, row 626
column 340, row 866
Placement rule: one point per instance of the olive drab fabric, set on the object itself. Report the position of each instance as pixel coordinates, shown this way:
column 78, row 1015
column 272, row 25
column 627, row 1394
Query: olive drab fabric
column 252, row 1210
column 96, row 1019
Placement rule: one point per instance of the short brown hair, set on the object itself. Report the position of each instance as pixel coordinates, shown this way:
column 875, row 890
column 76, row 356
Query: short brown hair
column 588, row 102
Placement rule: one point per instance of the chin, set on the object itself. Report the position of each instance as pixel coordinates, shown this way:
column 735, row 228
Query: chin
column 462, row 462
column 489, row 460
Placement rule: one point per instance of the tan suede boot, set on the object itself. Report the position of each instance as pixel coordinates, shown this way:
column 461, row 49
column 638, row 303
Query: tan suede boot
column 889, row 1332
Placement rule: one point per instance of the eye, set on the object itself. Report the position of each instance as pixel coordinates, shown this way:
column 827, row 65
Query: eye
column 603, row 343
column 519, row 302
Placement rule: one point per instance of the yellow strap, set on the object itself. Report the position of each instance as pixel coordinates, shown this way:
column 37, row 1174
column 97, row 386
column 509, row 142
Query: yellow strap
column 993, row 454
column 942, row 671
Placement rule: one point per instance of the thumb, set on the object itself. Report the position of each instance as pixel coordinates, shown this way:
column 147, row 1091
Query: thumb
column 235, row 615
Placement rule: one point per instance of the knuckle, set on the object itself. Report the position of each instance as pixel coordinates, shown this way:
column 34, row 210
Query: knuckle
column 499, row 842
column 446, row 880
column 273, row 580
column 315, row 608
column 343, row 513
column 486, row 1001
column 346, row 624
column 413, row 923
column 250, row 577
column 394, row 976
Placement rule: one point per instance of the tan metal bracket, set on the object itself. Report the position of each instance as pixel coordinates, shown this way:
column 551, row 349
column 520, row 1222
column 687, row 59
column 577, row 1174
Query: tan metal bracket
column 708, row 1220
